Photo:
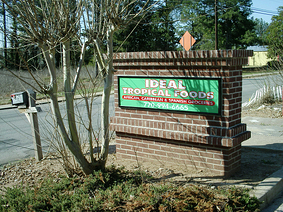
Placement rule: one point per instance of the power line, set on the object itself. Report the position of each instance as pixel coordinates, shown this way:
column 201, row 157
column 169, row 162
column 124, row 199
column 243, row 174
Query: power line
column 263, row 11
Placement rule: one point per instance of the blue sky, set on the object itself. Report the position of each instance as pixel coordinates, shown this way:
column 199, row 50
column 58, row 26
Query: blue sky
column 265, row 8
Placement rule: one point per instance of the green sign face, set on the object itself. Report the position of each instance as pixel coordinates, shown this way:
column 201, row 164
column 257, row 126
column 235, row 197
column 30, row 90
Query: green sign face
column 199, row 95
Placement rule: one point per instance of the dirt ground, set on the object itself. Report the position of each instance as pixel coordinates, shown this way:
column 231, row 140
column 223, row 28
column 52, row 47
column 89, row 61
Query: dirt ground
column 256, row 165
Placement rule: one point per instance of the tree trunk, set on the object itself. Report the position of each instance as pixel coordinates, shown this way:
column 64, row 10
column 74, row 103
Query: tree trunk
column 74, row 147
column 108, row 78
column 5, row 34
column 69, row 95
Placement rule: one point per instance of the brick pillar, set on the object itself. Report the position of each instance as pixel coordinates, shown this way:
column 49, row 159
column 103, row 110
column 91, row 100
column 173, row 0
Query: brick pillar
column 211, row 142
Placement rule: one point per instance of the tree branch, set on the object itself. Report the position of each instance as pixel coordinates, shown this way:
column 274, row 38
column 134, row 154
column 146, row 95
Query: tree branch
column 74, row 87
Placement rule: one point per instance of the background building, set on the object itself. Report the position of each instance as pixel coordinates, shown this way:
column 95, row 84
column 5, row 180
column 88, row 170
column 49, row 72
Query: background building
column 259, row 58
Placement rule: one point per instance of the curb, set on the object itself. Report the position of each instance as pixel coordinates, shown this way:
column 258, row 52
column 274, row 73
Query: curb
column 46, row 101
column 269, row 189
column 5, row 107
column 259, row 75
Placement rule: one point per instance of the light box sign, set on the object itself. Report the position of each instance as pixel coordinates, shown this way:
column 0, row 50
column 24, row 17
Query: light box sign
column 197, row 95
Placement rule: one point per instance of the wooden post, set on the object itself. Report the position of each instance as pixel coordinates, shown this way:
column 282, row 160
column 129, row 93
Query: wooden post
column 216, row 25
column 32, row 113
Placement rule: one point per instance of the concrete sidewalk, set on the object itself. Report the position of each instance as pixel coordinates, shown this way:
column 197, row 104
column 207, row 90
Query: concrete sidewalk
column 267, row 133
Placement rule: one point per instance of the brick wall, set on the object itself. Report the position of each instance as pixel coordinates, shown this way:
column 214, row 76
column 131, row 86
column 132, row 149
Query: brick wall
column 202, row 141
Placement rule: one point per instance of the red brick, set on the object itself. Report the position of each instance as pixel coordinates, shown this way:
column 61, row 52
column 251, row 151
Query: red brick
column 198, row 158
column 136, row 116
column 218, row 167
column 185, row 121
column 207, row 166
column 180, row 150
column 125, row 115
column 172, row 155
column 213, row 161
column 150, row 151
column 159, row 118
column 120, row 151
column 138, row 63
column 165, row 148
column 147, row 117
column 141, row 154
column 206, row 154
column 153, row 146
column 199, row 122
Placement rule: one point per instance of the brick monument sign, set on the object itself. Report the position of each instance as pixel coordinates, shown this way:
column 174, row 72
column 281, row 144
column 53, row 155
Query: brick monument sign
column 180, row 107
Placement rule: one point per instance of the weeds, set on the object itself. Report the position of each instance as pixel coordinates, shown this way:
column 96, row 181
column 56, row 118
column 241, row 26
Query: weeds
column 119, row 190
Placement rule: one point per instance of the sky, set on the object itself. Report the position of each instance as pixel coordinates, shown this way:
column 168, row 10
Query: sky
column 265, row 9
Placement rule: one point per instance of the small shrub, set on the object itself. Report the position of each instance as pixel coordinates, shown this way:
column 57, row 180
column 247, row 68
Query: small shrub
column 120, row 190
column 241, row 200
column 268, row 98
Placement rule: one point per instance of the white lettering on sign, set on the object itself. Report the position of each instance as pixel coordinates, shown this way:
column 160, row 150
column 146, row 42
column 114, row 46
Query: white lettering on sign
column 194, row 94
column 172, row 84
column 151, row 83
column 179, row 90
column 162, row 84
column 154, row 83
column 180, row 83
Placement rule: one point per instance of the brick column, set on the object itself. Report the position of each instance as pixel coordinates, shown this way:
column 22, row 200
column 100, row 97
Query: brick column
column 209, row 142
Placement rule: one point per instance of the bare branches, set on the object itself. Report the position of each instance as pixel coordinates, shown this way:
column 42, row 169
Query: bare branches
column 79, row 68
column 99, row 58
column 49, row 22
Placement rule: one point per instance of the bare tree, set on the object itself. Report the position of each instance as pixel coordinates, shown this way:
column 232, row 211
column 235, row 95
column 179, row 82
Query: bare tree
column 49, row 23
column 111, row 15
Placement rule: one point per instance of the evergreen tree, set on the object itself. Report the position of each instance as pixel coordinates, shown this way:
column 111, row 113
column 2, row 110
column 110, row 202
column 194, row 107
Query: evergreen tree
column 275, row 35
column 260, row 30
column 17, row 51
column 155, row 32
column 4, row 28
column 15, row 58
column 235, row 29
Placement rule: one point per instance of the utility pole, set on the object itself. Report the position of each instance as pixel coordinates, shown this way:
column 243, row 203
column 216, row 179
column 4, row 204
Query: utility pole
column 216, row 26
column 5, row 34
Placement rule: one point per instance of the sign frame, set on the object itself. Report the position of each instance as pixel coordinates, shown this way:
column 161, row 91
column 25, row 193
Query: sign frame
column 219, row 100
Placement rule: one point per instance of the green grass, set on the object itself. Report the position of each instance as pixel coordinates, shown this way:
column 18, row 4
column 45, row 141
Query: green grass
column 121, row 190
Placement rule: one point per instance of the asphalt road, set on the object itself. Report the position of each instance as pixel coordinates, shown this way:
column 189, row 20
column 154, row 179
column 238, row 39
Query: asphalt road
column 250, row 85
column 15, row 134
column 15, row 131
